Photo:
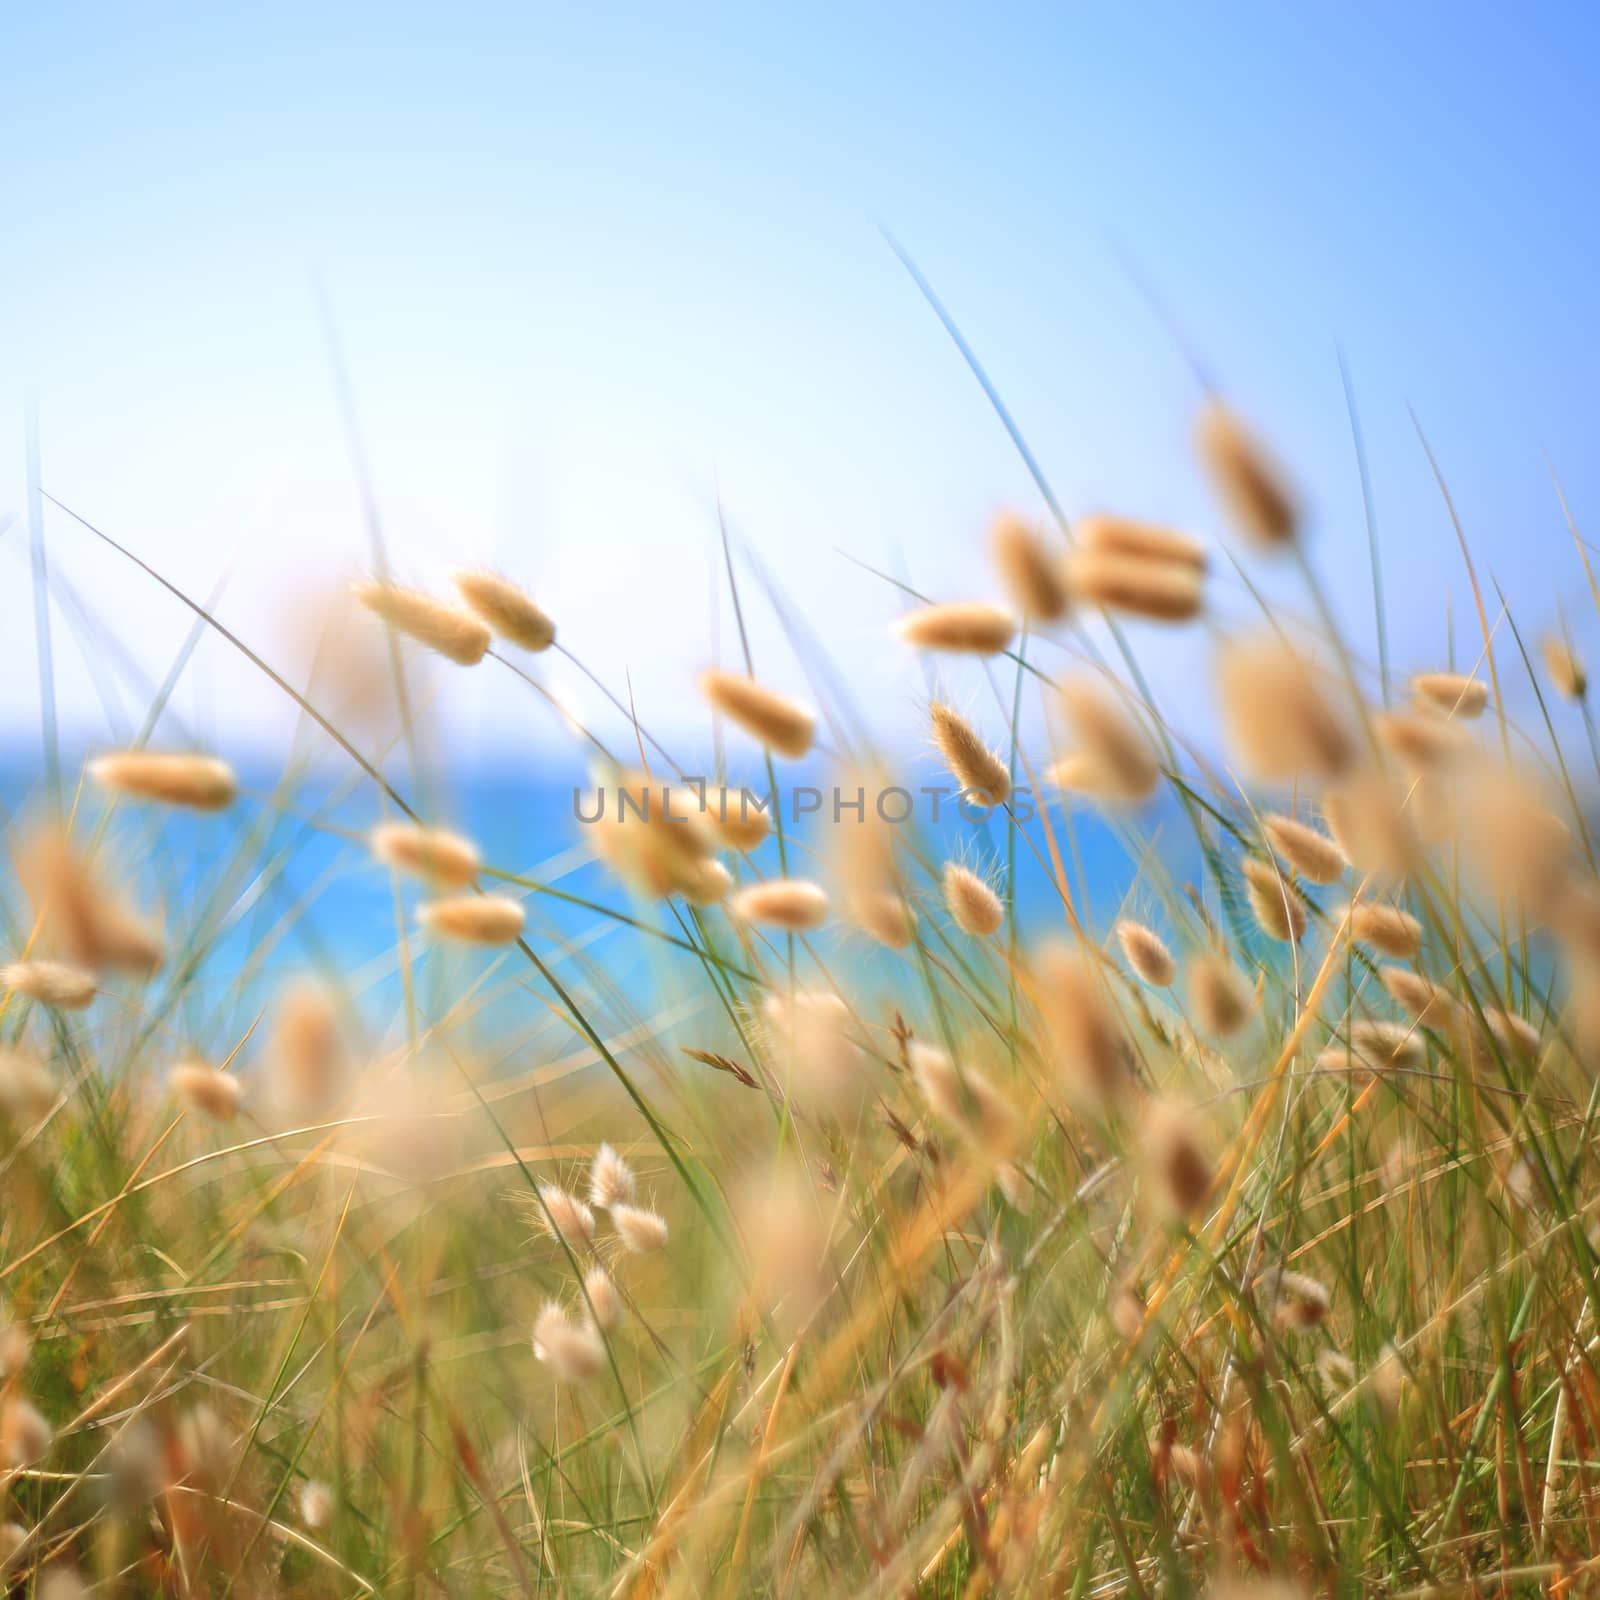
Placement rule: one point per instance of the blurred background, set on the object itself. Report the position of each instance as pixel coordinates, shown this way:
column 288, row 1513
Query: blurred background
column 556, row 281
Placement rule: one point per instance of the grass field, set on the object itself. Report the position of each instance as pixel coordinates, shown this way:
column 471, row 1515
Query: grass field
column 1240, row 1235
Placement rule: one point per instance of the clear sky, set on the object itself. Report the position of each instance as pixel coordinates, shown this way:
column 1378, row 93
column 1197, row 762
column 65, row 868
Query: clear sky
column 593, row 265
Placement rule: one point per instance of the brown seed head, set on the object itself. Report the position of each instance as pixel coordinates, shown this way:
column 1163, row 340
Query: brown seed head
column 778, row 722
column 1313, row 855
column 1091, row 1046
column 1388, row 929
column 1566, row 671
column 1273, row 901
column 51, row 983
column 964, row 627
column 448, row 631
column 1115, row 745
column 1158, row 591
column 203, row 783
column 203, row 1088
column 974, row 907
column 1218, row 993
column 487, row 919
column 1130, row 540
column 1146, row 952
column 1246, row 481
column 507, row 610
column 1280, row 723
column 1032, row 575
column 981, row 773
column 792, row 903
column 1453, row 693
column 445, row 859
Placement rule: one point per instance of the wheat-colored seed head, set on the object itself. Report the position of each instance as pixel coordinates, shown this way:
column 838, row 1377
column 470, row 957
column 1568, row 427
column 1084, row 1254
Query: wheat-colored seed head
column 611, row 1181
column 203, row 783
column 1388, row 929
column 1091, row 1046
column 25, row 1435
column 974, row 907
column 82, row 918
column 1131, row 540
column 1218, row 993
column 641, row 1231
column 605, row 1300
column 1424, row 742
column 981, row 773
column 27, row 1091
column 963, row 627
column 1033, row 576
column 316, row 1504
column 1453, row 693
column 507, row 610
column 1279, row 722
column 885, row 916
column 562, row 1215
column 779, row 723
column 1373, row 825
column 965, row 1100
column 1298, row 1300
column 446, row 630
column 203, row 1088
column 305, row 1052
column 1246, row 481
column 487, row 919
column 1376, row 1045
column 730, row 817
column 443, row 858
column 573, row 1351
column 1178, row 1166
column 1146, row 953
column 1567, row 673
column 1158, row 591
column 1313, row 855
column 1273, row 902
column 51, row 983
column 1516, row 1036
column 1417, row 995
column 1114, row 743
column 792, row 903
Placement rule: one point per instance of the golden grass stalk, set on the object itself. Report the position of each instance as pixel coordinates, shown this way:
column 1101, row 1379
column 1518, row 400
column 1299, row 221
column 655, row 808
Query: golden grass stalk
column 1313, row 855
column 1279, row 722
column 1273, row 903
column 1131, row 540
column 1246, row 480
column 1114, row 743
column 1146, row 953
column 445, row 859
column 1158, row 591
column 1453, row 693
column 781, row 724
column 446, row 630
column 962, row 627
column 973, row 906
column 203, row 783
column 795, row 904
column 51, row 983
column 1032, row 576
column 507, row 610
column 981, row 773
column 200, row 1087
column 486, row 919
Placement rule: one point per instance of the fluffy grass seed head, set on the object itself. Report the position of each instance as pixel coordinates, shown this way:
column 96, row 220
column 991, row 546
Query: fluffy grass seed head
column 1273, row 902
column 965, row 1100
column 1297, row 1300
column 1312, row 854
column 1132, row 540
column 1092, row 1048
column 1453, row 693
column 1565, row 670
column 1115, row 744
column 506, row 609
column 486, row 919
column 981, row 773
column 1218, row 993
column 1146, row 953
column 440, row 857
column 562, row 1215
column 1419, row 996
column 51, row 983
column 781, row 724
column 1388, row 929
column 1375, row 1045
column 1178, row 1168
column 27, row 1091
column 572, row 1350
column 305, row 1053
column 819, row 1062
column 316, row 1504
column 1279, row 721
column 203, row 1088
column 731, row 818
column 611, row 1180
column 886, row 916
column 25, row 1435
column 1247, row 481
column 962, row 627
column 605, row 1299
column 448, row 631
column 1424, row 741
column 84, row 920
column 1370, row 821
column 202, row 783
column 973, row 906
column 1031, row 574
column 1157, row 591
column 794, row 904
column 641, row 1230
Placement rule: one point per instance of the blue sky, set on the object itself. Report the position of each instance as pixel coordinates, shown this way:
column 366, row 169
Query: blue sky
column 592, row 266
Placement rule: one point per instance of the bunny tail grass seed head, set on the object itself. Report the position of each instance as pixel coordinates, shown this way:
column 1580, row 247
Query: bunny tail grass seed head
column 1246, row 480
column 1130, row 540
column 316, row 1504
column 562, row 1215
column 779, row 723
column 884, row 916
column 506, row 609
column 1421, row 740
column 1387, row 929
column 1452, row 693
column 641, row 1231
column 487, row 919
column 27, row 1091
column 1115, row 744
column 605, row 1299
column 203, row 1088
column 1273, row 902
column 1218, row 993
column 1279, row 722
column 1313, row 855
column 973, row 906
column 572, row 1350
column 51, row 983
column 202, row 783
column 1092, row 1049
column 1157, row 591
column 1178, row 1168
column 1031, row 575
column 305, row 1053
column 82, row 918
column 1565, row 670
column 792, row 903
column 963, row 627
column 1146, row 953
column 1372, row 824
column 25, row 1435
column 964, row 1100
column 437, row 855
column 446, row 630
column 1417, row 995
column 981, row 773
column 611, row 1181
